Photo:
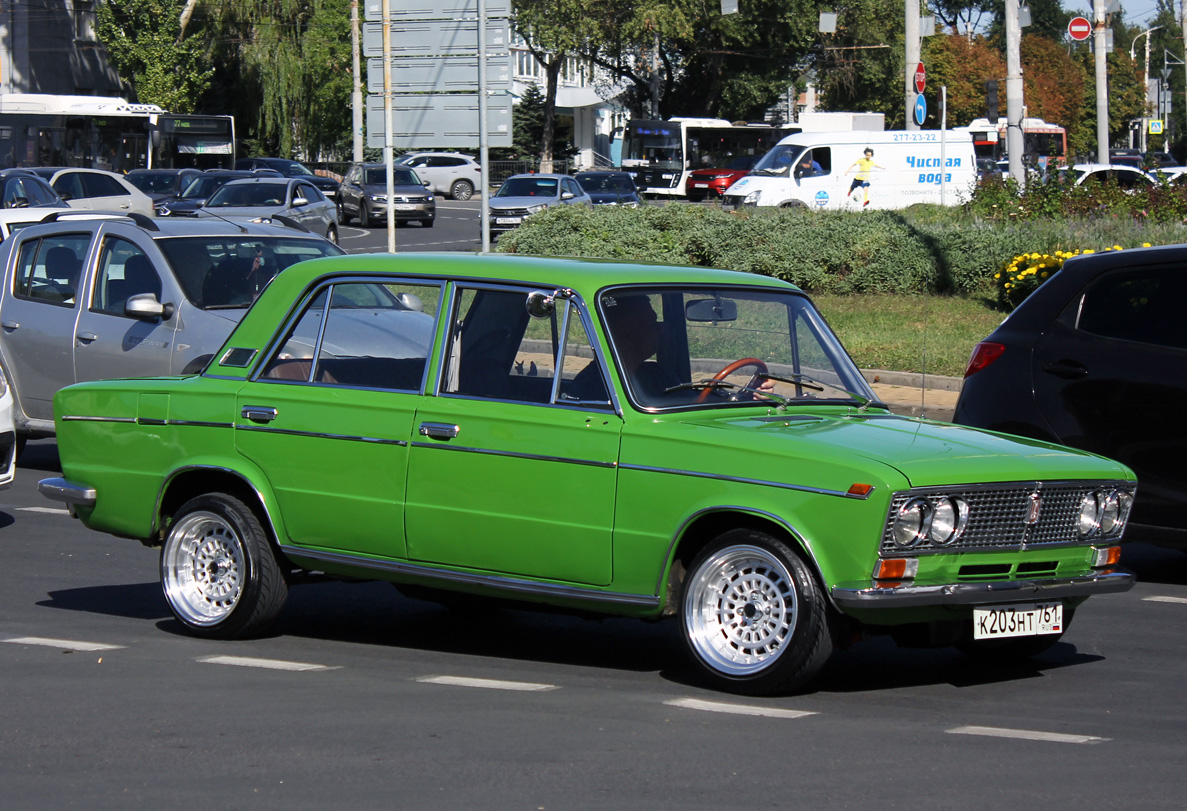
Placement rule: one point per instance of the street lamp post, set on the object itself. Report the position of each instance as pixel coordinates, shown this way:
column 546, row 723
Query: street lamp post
column 1145, row 74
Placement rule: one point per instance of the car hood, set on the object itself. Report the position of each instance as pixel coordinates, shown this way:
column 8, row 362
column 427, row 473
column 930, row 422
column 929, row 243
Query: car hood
column 402, row 189
column 924, row 452
column 603, row 197
column 521, row 202
column 248, row 212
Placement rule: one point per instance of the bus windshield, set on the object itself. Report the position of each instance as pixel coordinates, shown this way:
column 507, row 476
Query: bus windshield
column 653, row 143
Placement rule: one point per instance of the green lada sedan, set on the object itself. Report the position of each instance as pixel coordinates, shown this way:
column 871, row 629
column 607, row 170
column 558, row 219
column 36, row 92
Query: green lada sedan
column 632, row 439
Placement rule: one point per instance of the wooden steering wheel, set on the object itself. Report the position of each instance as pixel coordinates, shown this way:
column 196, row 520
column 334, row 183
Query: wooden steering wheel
column 741, row 363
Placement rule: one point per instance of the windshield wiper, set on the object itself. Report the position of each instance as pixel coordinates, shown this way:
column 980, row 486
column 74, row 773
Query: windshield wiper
column 807, row 382
column 725, row 384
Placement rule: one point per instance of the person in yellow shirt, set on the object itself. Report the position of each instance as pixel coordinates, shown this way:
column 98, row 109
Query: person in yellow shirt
column 861, row 180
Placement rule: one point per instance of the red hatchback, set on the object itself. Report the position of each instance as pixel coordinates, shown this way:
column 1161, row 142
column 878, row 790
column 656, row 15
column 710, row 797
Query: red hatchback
column 703, row 183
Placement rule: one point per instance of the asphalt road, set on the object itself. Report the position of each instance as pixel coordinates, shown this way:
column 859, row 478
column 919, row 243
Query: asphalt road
column 366, row 699
column 455, row 229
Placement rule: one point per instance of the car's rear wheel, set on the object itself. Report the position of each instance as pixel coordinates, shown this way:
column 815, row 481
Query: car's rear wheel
column 218, row 571
column 754, row 619
column 461, row 190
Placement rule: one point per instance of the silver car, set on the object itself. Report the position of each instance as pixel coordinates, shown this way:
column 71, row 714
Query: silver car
column 272, row 198
column 88, row 297
column 520, row 196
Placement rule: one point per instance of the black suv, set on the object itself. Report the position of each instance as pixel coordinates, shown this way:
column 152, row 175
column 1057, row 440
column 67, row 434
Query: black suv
column 291, row 168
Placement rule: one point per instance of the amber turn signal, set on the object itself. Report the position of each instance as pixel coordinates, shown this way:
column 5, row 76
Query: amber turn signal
column 896, row 569
column 862, row 490
column 1109, row 556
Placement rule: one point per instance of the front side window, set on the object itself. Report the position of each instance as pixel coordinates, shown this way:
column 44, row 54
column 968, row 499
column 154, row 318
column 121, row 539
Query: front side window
column 705, row 347
column 375, row 336
column 48, row 269
column 498, row 352
column 124, row 271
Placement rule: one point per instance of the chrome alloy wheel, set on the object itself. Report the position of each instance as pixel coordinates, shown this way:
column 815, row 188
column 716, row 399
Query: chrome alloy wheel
column 741, row 609
column 203, row 568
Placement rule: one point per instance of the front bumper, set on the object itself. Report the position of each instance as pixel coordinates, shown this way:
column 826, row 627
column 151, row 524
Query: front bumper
column 989, row 593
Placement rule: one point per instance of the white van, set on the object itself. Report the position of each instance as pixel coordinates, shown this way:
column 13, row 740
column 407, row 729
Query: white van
column 855, row 170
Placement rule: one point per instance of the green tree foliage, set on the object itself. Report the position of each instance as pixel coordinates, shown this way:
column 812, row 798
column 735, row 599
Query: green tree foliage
column 142, row 40
column 963, row 65
column 861, row 66
column 527, row 124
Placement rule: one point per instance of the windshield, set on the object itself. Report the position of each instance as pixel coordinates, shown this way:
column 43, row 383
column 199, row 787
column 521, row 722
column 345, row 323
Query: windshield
column 678, row 348
column 202, row 187
column 778, row 160
column 229, row 272
column 400, row 177
column 606, row 183
column 653, row 143
column 528, row 186
column 154, row 182
column 248, row 194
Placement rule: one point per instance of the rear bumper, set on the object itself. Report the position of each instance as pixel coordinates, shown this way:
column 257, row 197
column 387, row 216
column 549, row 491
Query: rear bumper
column 1008, row 591
column 74, row 494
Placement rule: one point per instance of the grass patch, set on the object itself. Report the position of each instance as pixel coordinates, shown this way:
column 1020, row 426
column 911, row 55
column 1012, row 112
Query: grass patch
column 909, row 333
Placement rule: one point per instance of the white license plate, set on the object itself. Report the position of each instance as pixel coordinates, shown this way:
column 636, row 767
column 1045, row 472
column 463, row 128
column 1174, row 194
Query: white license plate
column 403, row 207
column 507, row 220
column 1017, row 620
column 700, row 185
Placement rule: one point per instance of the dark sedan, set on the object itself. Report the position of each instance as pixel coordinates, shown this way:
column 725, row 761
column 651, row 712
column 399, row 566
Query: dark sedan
column 197, row 192
column 161, row 184
column 1086, row 361
column 291, row 168
column 609, row 188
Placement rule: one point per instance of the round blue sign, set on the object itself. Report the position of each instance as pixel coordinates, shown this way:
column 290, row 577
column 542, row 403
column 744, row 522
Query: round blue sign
column 821, row 198
column 920, row 109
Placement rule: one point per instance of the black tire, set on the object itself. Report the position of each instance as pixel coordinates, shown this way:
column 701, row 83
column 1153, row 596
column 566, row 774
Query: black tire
column 1012, row 649
column 764, row 633
column 218, row 571
column 695, row 198
column 426, row 223
column 332, row 234
column 461, row 190
column 365, row 218
column 343, row 217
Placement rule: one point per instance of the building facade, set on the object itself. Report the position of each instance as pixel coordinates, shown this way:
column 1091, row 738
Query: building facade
column 49, row 46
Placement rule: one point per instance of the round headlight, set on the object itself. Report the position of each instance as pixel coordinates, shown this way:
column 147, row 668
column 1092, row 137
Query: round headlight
column 1088, row 521
column 1110, row 513
column 948, row 520
column 910, row 525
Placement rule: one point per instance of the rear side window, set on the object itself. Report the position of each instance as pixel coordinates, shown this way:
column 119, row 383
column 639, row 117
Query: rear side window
column 48, row 269
column 102, row 186
column 1137, row 306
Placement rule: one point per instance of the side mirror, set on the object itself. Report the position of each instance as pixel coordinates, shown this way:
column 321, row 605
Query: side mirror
column 567, row 195
column 300, row 201
column 540, row 304
column 145, row 307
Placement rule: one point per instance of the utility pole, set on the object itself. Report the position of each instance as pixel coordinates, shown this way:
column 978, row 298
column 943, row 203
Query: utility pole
column 1183, row 22
column 1145, row 76
column 356, row 96
column 1015, row 143
column 1102, row 82
column 912, row 35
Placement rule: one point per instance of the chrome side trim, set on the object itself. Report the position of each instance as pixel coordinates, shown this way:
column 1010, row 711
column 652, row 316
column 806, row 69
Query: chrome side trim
column 142, row 421
column 201, row 424
column 60, row 489
column 803, row 488
column 500, row 582
column 88, row 418
column 513, row 454
column 319, row 435
column 150, row 421
column 1005, row 591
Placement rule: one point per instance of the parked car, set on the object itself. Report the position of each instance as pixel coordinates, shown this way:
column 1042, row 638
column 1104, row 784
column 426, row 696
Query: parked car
column 291, row 168
column 160, row 184
column 575, row 433
column 8, row 443
column 363, row 194
column 1126, row 177
column 96, row 190
column 89, row 296
column 1081, row 358
column 708, row 182
column 20, row 188
column 195, row 195
column 1127, row 157
column 1162, row 160
column 268, row 198
column 520, row 196
column 450, row 173
column 609, row 188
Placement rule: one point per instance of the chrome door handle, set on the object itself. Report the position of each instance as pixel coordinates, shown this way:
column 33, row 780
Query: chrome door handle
column 87, row 337
column 1067, row 369
column 439, row 430
column 10, row 324
column 259, row 413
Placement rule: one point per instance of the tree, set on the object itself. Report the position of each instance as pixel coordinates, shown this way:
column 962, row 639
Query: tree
column 143, row 40
column 962, row 65
column 862, row 66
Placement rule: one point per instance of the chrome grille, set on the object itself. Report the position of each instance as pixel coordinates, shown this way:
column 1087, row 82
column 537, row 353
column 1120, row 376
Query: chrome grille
column 997, row 515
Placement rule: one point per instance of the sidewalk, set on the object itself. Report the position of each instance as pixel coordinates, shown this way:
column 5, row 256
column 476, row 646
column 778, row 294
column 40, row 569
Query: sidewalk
column 914, row 395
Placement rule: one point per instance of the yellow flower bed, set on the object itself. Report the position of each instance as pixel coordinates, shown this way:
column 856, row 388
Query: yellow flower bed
column 1022, row 275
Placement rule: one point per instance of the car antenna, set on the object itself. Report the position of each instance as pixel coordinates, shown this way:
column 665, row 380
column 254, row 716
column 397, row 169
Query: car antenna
column 242, row 228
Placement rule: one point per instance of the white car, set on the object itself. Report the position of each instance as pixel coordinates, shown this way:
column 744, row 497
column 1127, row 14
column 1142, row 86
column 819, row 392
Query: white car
column 1127, row 177
column 449, row 173
column 7, row 435
column 96, row 190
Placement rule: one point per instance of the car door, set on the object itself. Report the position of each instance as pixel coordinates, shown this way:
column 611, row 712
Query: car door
column 39, row 315
column 1110, row 360
column 313, row 213
column 104, row 193
column 328, row 418
column 109, row 343
column 509, row 473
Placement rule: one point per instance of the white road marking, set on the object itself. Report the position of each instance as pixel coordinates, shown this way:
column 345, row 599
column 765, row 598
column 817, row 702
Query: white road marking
column 488, row 684
column 267, row 664
column 1165, row 599
column 65, row 644
column 735, row 709
column 48, row 510
column 1027, row 735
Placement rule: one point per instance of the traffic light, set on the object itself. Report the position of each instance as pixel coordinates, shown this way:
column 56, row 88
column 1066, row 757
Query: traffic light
column 991, row 100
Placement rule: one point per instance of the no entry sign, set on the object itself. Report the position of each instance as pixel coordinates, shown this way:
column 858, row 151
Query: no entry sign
column 1079, row 29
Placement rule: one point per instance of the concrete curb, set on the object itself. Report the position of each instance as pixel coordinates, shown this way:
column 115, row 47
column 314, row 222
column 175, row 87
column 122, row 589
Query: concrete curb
column 914, row 380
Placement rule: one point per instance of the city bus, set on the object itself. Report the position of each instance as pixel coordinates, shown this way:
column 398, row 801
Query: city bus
column 660, row 154
column 1044, row 145
column 100, row 132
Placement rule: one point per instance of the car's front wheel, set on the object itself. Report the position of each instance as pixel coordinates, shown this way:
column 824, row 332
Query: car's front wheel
column 219, row 574
column 332, row 234
column 461, row 190
column 754, row 619
column 343, row 217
